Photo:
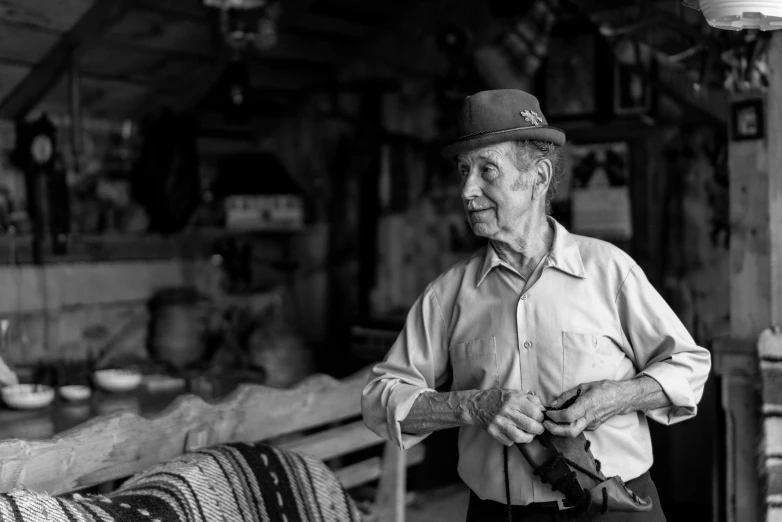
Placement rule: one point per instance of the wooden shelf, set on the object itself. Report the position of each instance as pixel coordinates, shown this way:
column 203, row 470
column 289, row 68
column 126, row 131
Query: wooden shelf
column 137, row 246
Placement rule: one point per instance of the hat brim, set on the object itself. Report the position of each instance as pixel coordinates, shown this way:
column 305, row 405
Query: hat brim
column 476, row 141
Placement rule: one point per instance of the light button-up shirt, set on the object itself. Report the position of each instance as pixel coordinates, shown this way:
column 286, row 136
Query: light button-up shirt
column 588, row 313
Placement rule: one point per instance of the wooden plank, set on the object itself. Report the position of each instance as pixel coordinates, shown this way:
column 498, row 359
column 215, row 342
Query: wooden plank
column 57, row 16
column 359, row 473
column 121, row 444
column 390, row 501
column 774, row 135
column 50, row 68
column 335, row 442
column 21, row 43
column 756, row 303
column 750, row 296
column 370, row 469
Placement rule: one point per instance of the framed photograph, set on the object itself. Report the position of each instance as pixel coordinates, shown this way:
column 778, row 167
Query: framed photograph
column 746, row 120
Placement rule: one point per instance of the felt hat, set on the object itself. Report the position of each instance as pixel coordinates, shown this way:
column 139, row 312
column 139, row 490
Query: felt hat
column 490, row 117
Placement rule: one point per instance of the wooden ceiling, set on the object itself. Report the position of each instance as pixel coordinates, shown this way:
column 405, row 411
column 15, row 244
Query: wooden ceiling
column 138, row 56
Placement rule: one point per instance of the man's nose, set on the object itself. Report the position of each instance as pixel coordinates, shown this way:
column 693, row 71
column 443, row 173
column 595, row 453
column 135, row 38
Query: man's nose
column 470, row 187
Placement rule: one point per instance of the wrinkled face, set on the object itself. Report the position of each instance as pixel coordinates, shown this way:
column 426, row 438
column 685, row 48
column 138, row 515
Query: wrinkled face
column 496, row 196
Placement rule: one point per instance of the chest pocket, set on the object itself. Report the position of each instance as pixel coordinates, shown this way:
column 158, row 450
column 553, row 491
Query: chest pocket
column 588, row 358
column 474, row 365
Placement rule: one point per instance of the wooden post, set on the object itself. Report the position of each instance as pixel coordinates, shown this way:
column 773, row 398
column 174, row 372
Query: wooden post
column 390, row 500
column 755, row 166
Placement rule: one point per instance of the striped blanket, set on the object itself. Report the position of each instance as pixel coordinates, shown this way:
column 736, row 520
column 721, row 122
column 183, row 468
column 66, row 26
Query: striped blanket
column 224, row 483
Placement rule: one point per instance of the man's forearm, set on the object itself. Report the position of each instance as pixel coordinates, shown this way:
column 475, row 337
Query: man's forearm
column 434, row 411
column 642, row 393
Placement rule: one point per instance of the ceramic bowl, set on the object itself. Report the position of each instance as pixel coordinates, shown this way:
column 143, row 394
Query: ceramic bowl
column 27, row 396
column 117, row 380
column 75, row 392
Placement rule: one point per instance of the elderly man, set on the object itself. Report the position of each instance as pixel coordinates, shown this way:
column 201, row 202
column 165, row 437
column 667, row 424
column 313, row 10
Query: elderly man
column 533, row 321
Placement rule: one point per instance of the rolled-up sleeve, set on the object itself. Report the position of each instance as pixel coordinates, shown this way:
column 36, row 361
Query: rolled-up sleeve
column 416, row 363
column 662, row 348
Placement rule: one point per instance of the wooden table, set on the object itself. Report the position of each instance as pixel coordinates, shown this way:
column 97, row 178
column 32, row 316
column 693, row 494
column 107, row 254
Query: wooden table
column 62, row 415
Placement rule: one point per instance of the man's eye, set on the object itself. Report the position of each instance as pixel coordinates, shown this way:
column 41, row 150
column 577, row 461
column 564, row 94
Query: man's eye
column 488, row 169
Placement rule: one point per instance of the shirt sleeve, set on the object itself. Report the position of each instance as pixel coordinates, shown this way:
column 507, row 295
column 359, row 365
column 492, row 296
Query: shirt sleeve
column 417, row 362
column 662, row 348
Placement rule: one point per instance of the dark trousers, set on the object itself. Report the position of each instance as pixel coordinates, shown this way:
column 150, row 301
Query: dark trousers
column 490, row 511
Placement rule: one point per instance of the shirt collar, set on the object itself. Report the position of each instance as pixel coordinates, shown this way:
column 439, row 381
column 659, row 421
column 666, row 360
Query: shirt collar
column 564, row 255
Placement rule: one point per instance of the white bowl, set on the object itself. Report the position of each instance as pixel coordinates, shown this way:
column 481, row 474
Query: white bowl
column 75, row 392
column 117, row 380
column 27, row 396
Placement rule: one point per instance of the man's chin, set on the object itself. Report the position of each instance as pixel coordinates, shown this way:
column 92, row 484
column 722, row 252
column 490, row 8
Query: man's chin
column 482, row 229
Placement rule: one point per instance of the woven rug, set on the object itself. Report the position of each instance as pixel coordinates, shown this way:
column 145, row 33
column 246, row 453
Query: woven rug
column 224, row 483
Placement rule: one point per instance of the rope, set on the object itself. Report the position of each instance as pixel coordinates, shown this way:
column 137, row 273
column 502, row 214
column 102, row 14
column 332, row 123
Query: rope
column 507, row 484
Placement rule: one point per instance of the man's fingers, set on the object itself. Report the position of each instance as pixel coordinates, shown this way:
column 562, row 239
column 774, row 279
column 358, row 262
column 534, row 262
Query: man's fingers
column 535, row 400
column 528, row 405
column 499, row 435
column 530, row 425
column 566, row 396
column 567, row 416
column 516, row 434
column 567, row 430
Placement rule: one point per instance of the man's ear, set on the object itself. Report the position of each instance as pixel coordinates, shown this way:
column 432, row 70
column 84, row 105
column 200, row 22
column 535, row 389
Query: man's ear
column 544, row 170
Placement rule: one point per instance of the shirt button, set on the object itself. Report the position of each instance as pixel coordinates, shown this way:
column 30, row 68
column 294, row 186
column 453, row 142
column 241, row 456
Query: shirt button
column 524, row 297
column 527, row 345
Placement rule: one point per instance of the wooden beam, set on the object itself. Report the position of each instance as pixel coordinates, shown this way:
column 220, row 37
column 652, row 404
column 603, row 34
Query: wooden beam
column 774, row 136
column 102, row 15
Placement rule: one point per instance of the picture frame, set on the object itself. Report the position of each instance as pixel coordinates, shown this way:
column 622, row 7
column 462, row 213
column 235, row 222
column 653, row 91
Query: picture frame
column 747, row 121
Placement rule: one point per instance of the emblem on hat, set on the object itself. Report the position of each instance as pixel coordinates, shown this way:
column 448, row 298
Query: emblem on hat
column 531, row 117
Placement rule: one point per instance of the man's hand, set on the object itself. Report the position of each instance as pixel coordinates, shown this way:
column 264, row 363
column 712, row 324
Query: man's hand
column 598, row 402
column 601, row 400
column 509, row 416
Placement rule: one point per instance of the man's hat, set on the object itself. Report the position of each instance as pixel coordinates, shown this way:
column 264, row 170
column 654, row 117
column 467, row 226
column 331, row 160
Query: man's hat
column 490, row 117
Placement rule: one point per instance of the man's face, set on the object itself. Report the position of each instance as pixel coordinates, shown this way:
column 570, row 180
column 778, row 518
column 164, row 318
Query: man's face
column 495, row 194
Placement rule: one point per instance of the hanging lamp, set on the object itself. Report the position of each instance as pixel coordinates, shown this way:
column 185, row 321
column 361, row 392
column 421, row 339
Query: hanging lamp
column 735, row 15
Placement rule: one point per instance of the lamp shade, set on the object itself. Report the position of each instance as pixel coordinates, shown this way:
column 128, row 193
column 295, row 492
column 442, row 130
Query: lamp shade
column 742, row 14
